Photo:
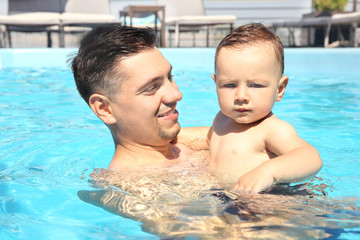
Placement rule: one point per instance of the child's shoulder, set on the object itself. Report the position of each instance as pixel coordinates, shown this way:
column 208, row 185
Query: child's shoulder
column 274, row 123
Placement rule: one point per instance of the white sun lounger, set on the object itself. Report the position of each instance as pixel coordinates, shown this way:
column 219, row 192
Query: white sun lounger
column 190, row 15
column 352, row 18
column 78, row 13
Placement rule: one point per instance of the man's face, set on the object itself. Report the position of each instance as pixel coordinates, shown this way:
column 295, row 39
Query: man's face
column 145, row 108
column 247, row 82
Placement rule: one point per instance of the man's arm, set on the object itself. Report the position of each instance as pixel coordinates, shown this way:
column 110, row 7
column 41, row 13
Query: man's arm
column 196, row 138
column 122, row 204
column 297, row 160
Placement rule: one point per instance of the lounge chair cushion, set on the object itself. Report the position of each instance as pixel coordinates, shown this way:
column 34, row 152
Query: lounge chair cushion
column 31, row 19
column 86, row 18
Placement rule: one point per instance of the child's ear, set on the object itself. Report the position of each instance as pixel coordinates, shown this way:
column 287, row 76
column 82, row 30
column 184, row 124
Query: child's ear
column 281, row 87
column 101, row 107
column 214, row 77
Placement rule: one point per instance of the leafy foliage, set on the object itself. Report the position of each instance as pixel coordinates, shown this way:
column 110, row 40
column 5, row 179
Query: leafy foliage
column 329, row 5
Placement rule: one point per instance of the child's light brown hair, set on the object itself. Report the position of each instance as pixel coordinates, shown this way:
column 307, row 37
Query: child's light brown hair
column 253, row 33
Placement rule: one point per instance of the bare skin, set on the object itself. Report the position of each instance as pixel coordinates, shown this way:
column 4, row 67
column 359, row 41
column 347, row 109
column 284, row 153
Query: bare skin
column 247, row 140
column 143, row 118
column 258, row 163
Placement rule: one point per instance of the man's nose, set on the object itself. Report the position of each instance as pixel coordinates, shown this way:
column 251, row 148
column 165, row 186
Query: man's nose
column 241, row 94
column 171, row 93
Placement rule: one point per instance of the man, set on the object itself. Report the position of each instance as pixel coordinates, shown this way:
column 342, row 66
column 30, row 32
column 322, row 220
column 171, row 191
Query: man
column 127, row 83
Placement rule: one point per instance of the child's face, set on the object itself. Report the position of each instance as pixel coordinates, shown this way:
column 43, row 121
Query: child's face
column 248, row 82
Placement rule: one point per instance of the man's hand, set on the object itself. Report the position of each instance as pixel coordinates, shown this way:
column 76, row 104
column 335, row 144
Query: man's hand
column 254, row 181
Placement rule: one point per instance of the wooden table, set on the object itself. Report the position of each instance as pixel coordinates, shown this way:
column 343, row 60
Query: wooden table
column 131, row 10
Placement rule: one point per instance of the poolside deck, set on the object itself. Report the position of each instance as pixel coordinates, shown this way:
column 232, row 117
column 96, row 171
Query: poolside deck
column 267, row 12
column 39, row 40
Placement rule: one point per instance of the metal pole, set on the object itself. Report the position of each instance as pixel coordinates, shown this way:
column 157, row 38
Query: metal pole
column 354, row 5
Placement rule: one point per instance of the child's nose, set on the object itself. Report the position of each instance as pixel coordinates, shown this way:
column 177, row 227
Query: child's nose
column 241, row 95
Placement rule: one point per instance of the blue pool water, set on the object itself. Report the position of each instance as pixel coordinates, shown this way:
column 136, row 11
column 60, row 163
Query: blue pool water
column 50, row 140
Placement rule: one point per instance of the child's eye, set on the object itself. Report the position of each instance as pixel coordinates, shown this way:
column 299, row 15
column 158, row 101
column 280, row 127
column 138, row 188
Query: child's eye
column 171, row 77
column 230, row 85
column 254, row 85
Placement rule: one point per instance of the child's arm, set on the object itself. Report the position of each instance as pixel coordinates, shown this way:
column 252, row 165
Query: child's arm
column 297, row 160
column 196, row 138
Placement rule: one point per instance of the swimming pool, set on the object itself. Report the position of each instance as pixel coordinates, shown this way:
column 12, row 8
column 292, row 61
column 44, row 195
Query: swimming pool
column 50, row 140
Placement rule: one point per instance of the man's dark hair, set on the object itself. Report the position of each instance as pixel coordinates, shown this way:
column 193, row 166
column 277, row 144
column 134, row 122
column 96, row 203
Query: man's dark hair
column 96, row 65
column 253, row 33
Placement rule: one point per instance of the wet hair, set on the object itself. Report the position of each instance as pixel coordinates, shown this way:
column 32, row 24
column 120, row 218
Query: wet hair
column 251, row 34
column 96, row 65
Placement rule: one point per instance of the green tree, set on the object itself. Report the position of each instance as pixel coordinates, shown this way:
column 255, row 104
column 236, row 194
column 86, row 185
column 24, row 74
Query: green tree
column 329, row 5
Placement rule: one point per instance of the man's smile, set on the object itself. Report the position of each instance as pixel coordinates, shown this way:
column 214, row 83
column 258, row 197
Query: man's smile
column 173, row 113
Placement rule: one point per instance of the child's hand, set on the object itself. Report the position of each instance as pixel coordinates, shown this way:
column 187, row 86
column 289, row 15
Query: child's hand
column 255, row 181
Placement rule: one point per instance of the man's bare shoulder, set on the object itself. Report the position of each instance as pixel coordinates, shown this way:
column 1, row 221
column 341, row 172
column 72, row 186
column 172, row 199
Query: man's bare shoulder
column 194, row 137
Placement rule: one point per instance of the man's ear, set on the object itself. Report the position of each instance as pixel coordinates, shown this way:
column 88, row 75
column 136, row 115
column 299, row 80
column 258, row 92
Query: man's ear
column 101, row 107
column 281, row 88
column 214, row 77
